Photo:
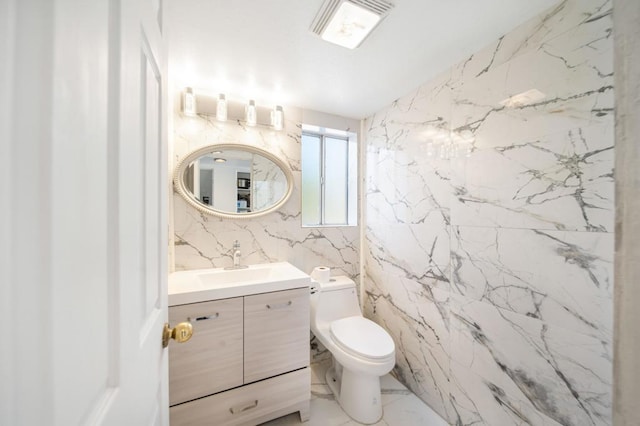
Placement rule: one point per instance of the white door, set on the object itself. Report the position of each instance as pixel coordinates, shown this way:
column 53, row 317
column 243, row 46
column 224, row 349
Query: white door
column 83, row 220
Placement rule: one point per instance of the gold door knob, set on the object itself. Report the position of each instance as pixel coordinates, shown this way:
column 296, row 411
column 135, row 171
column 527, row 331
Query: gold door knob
column 180, row 333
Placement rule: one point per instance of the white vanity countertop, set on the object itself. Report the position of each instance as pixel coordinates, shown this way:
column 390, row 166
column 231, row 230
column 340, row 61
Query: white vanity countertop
column 200, row 285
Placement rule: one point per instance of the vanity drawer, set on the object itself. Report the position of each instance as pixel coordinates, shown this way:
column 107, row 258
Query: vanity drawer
column 248, row 405
column 211, row 361
column 276, row 336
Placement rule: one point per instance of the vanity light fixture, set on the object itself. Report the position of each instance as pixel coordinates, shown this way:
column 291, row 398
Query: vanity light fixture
column 225, row 109
column 219, row 160
column 277, row 118
column 221, row 108
column 348, row 22
column 251, row 114
column 189, row 102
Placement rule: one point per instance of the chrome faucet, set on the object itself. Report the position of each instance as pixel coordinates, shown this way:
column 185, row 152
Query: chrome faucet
column 236, row 254
column 236, row 257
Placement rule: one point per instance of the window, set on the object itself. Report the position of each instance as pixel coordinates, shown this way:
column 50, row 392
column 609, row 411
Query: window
column 329, row 178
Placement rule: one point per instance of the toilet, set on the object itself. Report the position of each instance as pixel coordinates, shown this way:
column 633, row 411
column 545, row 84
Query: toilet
column 361, row 350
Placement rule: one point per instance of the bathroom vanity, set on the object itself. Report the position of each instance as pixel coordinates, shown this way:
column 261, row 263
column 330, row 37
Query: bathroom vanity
column 248, row 359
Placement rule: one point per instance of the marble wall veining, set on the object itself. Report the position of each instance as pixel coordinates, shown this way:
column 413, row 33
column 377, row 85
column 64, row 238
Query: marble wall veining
column 203, row 241
column 494, row 273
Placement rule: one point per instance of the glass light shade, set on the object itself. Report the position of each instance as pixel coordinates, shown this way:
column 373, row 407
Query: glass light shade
column 221, row 108
column 251, row 113
column 189, row 102
column 277, row 118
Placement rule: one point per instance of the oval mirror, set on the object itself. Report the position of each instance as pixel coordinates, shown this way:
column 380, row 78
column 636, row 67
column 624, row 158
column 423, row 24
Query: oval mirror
column 233, row 181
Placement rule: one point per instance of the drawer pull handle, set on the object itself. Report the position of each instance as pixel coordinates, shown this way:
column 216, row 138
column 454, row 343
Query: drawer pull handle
column 281, row 305
column 236, row 410
column 204, row 318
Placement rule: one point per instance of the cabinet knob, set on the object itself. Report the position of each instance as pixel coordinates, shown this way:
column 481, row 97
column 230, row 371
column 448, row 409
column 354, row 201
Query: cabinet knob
column 180, row 333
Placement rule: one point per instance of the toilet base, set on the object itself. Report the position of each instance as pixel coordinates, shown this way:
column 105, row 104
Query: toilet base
column 358, row 394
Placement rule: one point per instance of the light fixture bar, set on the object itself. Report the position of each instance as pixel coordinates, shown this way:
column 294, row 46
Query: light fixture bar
column 224, row 109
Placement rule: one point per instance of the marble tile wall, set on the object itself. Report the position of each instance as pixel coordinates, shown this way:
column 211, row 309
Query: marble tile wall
column 269, row 182
column 494, row 273
column 203, row 241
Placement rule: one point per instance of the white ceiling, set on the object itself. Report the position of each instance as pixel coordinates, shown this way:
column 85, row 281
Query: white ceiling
column 263, row 49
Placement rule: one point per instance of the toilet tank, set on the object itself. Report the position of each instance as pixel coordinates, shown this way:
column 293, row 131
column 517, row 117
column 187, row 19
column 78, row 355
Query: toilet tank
column 334, row 300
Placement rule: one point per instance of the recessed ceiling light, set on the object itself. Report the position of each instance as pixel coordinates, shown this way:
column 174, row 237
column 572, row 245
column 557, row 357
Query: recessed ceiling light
column 524, row 98
column 348, row 22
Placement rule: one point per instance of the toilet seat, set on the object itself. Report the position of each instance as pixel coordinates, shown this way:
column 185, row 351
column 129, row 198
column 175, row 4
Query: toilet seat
column 362, row 337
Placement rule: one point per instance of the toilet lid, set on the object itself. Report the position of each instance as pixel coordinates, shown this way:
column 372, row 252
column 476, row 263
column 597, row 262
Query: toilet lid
column 362, row 337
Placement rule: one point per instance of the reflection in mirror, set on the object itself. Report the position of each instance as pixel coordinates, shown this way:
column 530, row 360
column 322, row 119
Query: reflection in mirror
column 233, row 180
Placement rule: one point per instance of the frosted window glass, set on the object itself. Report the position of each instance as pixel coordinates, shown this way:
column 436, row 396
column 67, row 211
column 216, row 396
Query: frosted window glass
column 311, row 174
column 335, row 190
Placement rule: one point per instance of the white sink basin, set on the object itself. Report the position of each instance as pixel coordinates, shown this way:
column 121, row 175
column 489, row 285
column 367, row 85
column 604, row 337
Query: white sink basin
column 215, row 277
column 218, row 283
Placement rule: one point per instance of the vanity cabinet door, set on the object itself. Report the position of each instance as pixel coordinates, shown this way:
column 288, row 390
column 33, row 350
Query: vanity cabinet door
column 276, row 333
column 212, row 360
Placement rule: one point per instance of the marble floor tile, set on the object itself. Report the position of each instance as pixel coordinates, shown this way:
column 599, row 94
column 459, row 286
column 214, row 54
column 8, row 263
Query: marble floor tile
column 400, row 406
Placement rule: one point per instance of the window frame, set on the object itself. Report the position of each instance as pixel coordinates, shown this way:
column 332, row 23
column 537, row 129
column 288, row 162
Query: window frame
column 348, row 138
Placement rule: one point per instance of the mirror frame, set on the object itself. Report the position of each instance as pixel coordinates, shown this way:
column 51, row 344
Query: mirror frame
column 178, row 181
